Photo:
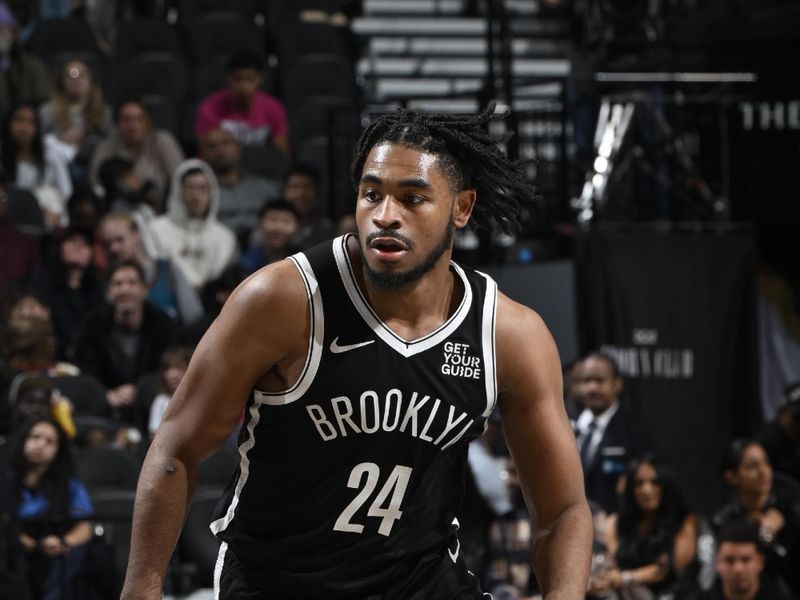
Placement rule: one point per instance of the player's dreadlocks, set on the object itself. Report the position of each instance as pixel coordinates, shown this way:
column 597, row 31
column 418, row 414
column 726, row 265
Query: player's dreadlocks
column 468, row 154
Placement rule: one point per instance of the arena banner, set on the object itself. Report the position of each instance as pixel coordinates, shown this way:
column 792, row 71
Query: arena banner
column 677, row 311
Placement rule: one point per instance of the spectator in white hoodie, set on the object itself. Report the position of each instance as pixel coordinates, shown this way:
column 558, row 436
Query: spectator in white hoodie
column 189, row 233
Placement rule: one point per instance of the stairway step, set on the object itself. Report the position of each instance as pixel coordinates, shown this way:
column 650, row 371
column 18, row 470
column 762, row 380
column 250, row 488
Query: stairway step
column 439, row 7
column 458, row 67
column 453, row 26
column 460, row 46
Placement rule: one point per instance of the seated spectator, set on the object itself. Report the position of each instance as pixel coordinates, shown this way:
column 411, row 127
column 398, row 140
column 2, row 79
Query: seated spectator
column 739, row 564
column 31, row 166
column 653, row 537
column 253, row 117
column 776, row 511
column 126, row 192
column 606, row 436
column 241, row 194
column 53, row 506
column 277, row 225
column 174, row 363
column 30, row 346
column 76, row 118
column 154, row 152
column 83, row 208
column 23, row 77
column 19, row 253
column 71, row 287
column 189, row 233
column 120, row 342
column 781, row 436
column 301, row 188
column 168, row 287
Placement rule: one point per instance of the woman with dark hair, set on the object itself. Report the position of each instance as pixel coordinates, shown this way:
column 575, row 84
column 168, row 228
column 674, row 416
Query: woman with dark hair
column 652, row 539
column 53, row 506
column 31, row 166
column 774, row 508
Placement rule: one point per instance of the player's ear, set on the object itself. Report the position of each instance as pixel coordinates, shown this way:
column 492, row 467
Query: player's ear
column 462, row 207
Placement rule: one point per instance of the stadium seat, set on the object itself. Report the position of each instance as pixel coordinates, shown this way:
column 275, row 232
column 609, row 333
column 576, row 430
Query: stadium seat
column 216, row 35
column 265, row 160
column 319, row 75
column 323, row 116
column 139, row 36
column 153, row 73
column 52, row 36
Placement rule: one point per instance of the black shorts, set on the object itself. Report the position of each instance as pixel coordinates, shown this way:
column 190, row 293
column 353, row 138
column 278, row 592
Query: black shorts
column 434, row 578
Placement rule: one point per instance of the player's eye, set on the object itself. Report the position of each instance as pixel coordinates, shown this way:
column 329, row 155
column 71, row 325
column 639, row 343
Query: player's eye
column 414, row 199
column 371, row 195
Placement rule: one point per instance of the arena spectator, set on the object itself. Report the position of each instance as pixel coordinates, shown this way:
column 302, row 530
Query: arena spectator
column 154, row 152
column 781, row 436
column 277, row 225
column 253, row 117
column 241, row 194
column 174, row 363
column 774, row 509
column 301, row 188
column 606, row 435
column 189, row 233
column 653, row 537
column 739, row 564
column 123, row 340
column 168, row 287
column 71, row 287
column 23, row 77
column 76, row 118
column 32, row 166
column 19, row 253
column 126, row 192
column 54, row 507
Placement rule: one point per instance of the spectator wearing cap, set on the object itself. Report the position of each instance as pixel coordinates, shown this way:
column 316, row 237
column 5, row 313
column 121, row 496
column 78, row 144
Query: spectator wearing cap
column 71, row 287
column 23, row 77
column 155, row 153
column 781, row 436
column 253, row 117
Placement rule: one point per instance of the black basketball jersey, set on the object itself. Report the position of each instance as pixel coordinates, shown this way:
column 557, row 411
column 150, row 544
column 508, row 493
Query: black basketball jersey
column 354, row 475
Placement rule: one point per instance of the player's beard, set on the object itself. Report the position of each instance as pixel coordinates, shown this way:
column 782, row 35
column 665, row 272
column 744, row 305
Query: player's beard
column 395, row 280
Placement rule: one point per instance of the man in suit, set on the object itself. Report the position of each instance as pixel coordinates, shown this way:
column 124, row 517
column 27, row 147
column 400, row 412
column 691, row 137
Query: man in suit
column 606, row 436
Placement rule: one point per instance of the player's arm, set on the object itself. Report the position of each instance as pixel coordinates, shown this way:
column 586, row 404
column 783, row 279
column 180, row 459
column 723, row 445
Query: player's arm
column 264, row 324
column 544, row 451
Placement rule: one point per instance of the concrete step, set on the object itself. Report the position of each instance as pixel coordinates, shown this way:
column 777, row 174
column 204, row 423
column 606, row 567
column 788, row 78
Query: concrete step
column 439, row 7
column 460, row 46
column 458, row 67
column 448, row 88
column 452, row 26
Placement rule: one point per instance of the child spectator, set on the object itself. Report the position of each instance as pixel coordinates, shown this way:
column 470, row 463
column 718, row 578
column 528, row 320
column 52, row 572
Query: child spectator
column 277, row 225
column 174, row 363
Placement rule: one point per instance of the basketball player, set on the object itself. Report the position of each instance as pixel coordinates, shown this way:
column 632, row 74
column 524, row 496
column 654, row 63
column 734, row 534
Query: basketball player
column 364, row 367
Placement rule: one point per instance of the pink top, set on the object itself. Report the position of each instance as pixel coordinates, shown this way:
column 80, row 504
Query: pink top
column 265, row 120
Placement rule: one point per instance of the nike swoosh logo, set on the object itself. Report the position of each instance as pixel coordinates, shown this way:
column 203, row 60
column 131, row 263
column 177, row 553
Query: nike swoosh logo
column 337, row 349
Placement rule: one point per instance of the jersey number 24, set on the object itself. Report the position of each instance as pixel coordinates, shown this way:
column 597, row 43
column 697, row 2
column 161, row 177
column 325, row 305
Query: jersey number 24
column 386, row 504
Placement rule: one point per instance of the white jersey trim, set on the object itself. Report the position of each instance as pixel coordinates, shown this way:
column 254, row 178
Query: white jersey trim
column 244, row 470
column 315, row 339
column 488, row 340
column 405, row 347
column 223, row 548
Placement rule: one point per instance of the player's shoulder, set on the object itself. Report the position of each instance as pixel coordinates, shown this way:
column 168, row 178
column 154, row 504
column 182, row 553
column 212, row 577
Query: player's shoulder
column 271, row 291
column 516, row 322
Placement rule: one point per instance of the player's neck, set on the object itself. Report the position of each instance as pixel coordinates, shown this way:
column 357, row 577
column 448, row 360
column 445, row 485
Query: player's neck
column 417, row 308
